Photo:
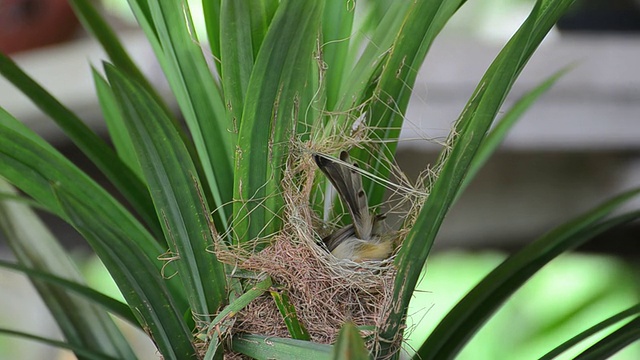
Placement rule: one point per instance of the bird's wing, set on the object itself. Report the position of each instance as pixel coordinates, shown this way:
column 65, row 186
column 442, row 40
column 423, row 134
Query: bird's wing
column 338, row 237
column 348, row 182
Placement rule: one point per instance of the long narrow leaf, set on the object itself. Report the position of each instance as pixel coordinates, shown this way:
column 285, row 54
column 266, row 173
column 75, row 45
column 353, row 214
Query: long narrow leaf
column 241, row 302
column 225, row 318
column 354, row 89
column 110, row 304
column 350, row 345
column 124, row 246
column 176, row 193
column 479, row 304
column 236, row 54
column 261, row 13
column 634, row 310
column 391, row 95
column 22, row 200
column 199, row 98
column 32, row 165
column 83, row 323
column 469, row 133
column 100, row 29
column 269, row 117
column 211, row 10
column 336, row 30
column 369, row 63
column 614, row 342
column 93, row 146
column 499, row 132
column 266, row 347
column 116, row 124
column 243, row 26
column 289, row 315
column 135, row 274
column 84, row 352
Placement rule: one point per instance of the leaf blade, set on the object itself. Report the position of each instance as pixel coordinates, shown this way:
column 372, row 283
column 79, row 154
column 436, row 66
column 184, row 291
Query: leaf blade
column 634, row 310
column 224, row 319
column 267, row 123
column 263, row 347
column 385, row 114
column 350, row 344
column 86, row 352
column 112, row 305
column 176, row 193
column 199, row 98
column 33, row 165
column 88, row 142
column 236, row 54
column 499, row 132
column 93, row 22
column 83, row 323
column 614, row 342
column 296, row 329
column 336, row 30
column 136, row 276
column 116, row 124
column 466, row 138
column 476, row 307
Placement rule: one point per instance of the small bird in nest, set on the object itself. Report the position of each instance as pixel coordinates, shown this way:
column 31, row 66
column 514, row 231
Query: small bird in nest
column 362, row 240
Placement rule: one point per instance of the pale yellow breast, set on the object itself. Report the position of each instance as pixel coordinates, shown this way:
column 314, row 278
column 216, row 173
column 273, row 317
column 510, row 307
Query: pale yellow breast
column 359, row 250
column 373, row 251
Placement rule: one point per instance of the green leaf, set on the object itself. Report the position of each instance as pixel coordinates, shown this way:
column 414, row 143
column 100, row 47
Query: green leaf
column 261, row 13
column 354, row 90
column 478, row 305
column 140, row 9
column 211, row 10
column 236, row 54
column 83, row 352
column 368, row 64
column 100, row 29
column 200, row 100
column 267, row 347
column 336, row 31
column 385, row 115
column 82, row 322
column 311, row 103
column 32, row 165
column 614, row 342
column 116, row 124
column 137, row 277
column 350, row 345
column 11, row 196
column 500, row 131
column 269, row 117
column 176, row 193
column 243, row 25
column 110, row 304
column 224, row 320
column 455, row 160
column 289, row 315
column 634, row 310
column 89, row 143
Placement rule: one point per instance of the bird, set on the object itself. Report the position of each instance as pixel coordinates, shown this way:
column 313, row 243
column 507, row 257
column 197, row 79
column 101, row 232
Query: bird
column 362, row 240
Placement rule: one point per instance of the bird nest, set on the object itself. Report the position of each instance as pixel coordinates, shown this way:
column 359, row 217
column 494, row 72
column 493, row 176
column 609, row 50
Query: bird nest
column 325, row 291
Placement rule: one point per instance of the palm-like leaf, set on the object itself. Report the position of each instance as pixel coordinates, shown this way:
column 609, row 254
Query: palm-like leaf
column 287, row 72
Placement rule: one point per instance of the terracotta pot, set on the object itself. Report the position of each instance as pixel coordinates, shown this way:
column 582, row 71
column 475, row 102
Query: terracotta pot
column 28, row 24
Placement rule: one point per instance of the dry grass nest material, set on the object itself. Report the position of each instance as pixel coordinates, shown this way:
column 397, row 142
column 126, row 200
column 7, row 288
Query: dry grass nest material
column 326, row 292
